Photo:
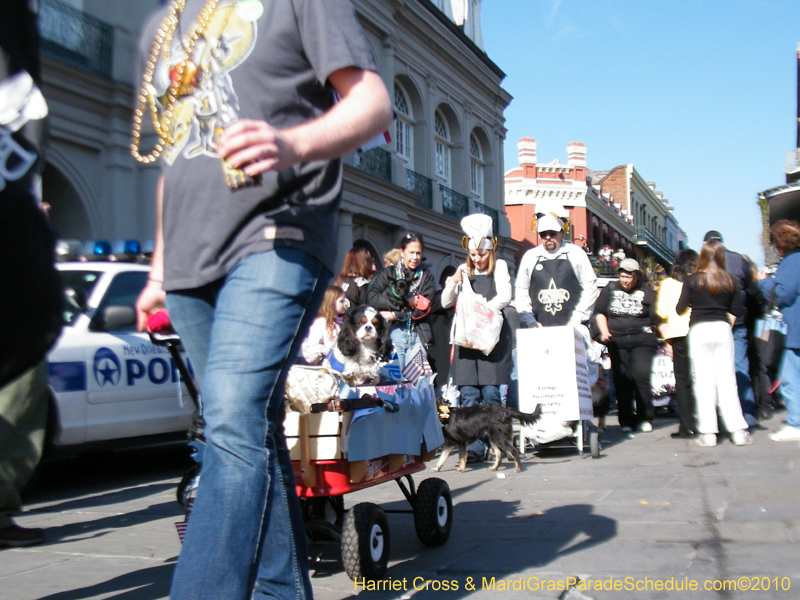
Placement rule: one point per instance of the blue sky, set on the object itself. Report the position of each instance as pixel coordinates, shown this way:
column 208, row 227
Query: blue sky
column 700, row 96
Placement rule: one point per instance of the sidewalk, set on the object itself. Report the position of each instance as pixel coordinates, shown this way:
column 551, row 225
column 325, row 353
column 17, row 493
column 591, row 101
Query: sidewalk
column 649, row 507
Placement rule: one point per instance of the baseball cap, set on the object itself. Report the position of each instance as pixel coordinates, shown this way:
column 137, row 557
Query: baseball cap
column 714, row 236
column 629, row 264
column 549, row 223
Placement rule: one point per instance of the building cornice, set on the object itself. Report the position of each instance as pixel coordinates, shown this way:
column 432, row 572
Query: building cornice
column 480, row 54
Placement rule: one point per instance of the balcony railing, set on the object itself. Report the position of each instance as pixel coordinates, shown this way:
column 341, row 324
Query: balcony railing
column 454, row 204
column 76, row 38
column 488, row 210
column 645, row 237
column 420, row 186
column 377, row 162
column 602, row 268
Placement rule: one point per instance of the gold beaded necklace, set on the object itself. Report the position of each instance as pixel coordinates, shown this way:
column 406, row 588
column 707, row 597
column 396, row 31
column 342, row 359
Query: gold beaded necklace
column 182, row 77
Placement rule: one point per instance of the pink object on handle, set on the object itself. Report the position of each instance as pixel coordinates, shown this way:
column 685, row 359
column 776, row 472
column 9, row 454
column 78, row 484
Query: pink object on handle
column 159, row 322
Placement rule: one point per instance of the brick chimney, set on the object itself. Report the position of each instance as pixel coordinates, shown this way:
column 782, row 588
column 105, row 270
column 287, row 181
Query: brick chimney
column 527, row 151
column 576, row 154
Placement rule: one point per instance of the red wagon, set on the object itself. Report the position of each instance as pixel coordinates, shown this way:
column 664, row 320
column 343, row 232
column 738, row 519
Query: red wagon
column 324, row 475
column 363, row 530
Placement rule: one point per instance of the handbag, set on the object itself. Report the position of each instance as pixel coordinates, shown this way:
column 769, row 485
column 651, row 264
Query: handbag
column 770, row 335
column 306, row 386
column 476, row 325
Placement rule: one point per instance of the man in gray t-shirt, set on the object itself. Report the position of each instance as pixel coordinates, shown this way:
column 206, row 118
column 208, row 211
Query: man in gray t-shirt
column 245, row 248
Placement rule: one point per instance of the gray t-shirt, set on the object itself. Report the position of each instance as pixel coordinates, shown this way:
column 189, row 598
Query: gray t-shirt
column 272, row 67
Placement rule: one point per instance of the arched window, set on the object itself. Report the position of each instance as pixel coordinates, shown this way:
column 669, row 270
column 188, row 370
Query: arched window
column 404, row 127
column 475, row 167
column 443, row 147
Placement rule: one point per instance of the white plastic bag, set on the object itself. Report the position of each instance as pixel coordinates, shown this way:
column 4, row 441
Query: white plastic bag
column 475, row 325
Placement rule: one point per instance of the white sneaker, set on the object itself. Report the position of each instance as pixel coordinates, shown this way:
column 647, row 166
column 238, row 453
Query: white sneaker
column 707, row 440
column 741, row 438
column 645, row 427
column 750, row 420
column 785, row 434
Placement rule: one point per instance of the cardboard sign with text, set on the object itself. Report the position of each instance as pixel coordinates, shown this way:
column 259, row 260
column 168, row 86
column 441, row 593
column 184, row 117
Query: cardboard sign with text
column 553, row 372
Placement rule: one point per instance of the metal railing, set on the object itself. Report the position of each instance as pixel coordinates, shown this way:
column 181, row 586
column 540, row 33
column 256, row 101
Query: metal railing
column 420, row 186
column 76, row 38
column 646, row 237
column 488, row 210
column 601, row 267
column 376, row 162
column 454, row 204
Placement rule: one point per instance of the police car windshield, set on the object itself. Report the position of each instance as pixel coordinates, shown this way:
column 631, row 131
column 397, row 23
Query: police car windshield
column 77, row 286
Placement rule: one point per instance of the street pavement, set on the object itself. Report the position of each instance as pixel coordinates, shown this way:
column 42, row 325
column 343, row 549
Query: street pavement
column 651, row 509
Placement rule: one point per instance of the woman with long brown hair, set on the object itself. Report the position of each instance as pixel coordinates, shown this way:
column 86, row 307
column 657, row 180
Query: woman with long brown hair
column 357, row 271
column 713, row 295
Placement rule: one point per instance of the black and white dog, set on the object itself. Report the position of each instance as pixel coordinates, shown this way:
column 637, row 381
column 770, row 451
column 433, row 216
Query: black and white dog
column 462, row 426
column 363, row 346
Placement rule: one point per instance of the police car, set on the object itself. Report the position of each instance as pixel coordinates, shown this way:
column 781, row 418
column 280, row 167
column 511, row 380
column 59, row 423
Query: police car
column 109, row 383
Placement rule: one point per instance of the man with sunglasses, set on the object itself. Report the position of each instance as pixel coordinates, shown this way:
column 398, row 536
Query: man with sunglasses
column 556, row 284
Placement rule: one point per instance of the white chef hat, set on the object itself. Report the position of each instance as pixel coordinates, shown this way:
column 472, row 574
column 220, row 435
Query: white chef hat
column 549, row 223
column 478, row 229
column 550, row 206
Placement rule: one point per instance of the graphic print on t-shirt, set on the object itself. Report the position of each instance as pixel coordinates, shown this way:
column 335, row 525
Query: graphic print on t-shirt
column 622, row 303
column 210, row 103
column 553, row 298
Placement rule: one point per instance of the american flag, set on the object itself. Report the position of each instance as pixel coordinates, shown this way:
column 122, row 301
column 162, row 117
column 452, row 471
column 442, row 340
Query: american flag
column 418, row 366
column 181, row 527
column 379, row 140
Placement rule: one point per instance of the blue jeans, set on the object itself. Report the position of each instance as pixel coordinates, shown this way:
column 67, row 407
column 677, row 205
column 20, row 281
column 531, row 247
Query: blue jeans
column 472, row 396
column 403, row 345
column 743, row 383
column 790, row 384
column 245, row 536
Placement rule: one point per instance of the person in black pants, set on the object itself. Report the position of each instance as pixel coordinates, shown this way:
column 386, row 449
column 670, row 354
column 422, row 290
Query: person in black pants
column 675, row 330
column 626, row 316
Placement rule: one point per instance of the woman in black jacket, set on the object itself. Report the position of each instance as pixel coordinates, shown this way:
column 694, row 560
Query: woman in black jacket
column 403, row 293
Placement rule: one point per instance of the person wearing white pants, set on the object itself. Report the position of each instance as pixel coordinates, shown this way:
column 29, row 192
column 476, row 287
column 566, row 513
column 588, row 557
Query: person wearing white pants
column 712, row 355
column 713, row 295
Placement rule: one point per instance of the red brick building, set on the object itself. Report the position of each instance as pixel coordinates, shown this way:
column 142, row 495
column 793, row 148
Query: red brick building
column 595, row 217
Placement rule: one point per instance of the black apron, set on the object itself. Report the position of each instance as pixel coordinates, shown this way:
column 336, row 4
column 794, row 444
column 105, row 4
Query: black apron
column 473, row 367
column 555, row 291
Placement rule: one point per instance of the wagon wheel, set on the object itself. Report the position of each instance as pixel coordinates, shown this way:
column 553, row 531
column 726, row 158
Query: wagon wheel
column 594, row 441
column 365, row 542
column 433, row 512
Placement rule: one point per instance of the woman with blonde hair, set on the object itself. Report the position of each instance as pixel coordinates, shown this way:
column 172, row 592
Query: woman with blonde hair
column 713, row 295
column 477, row 375
column 325, row 329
